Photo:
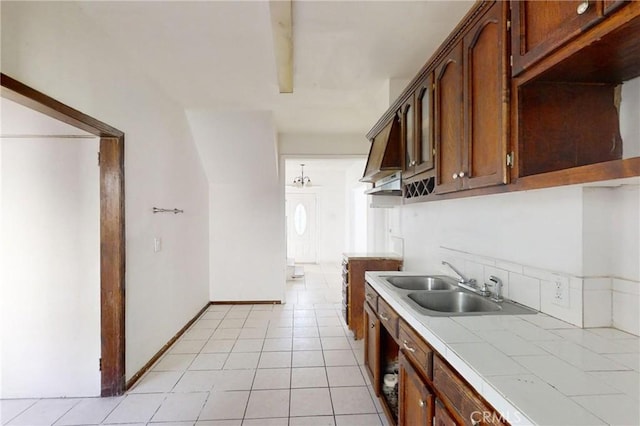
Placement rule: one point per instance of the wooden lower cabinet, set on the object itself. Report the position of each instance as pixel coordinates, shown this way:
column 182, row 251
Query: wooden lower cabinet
column 354, row 267
column 442, row 417
column 372, row 347
column 465, row 403
column 430, row 392
column 415, row 400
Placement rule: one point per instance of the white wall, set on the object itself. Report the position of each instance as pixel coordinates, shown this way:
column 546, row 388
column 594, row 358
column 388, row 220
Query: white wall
column 50, row 281
column 246, row 236
column 585, row 237
column 54, row 48
column 357, row 216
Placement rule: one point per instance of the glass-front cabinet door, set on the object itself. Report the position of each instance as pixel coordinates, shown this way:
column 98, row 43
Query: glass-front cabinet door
column 424, row 149
column 417, row 129
column 408, row 136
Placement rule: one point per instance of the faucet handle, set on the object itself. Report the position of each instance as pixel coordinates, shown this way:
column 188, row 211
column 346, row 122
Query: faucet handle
column 495, row 283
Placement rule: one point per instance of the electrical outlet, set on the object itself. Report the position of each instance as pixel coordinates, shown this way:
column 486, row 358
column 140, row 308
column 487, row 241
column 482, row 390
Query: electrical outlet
column 560, row 290
column 157, row 244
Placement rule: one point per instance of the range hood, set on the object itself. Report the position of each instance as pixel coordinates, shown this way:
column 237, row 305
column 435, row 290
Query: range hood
column 390, row 185
column 385, row 153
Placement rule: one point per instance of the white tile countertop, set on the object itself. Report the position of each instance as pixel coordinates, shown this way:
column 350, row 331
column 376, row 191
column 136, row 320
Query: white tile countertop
column 534, row 369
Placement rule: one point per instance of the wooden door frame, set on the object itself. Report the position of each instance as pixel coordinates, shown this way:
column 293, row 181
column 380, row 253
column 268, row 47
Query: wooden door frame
column 112, row 226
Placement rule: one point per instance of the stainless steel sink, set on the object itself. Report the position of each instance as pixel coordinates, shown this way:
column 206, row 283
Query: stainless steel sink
column 461, row 303
column 454, row 302
column 422, row 282
column 440, row 295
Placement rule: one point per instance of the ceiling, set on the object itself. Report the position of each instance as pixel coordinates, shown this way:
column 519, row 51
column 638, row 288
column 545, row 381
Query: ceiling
column 219, row 54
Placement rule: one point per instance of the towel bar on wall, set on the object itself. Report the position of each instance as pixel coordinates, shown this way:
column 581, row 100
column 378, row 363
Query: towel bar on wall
column 174, row 211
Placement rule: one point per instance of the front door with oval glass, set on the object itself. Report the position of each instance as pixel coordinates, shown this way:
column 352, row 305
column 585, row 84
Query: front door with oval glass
column 301, row 228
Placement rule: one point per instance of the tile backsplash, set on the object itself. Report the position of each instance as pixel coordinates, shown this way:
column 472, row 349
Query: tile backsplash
column 591, row 301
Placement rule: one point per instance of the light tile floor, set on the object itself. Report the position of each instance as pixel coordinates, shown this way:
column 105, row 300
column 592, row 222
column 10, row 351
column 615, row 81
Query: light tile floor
column 293, row 364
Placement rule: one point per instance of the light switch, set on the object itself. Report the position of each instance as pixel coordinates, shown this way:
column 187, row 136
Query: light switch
column 157, row 244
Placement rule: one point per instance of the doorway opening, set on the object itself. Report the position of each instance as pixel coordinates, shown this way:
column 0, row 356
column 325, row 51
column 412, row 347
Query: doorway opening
column 112, row 225
column 329, row 216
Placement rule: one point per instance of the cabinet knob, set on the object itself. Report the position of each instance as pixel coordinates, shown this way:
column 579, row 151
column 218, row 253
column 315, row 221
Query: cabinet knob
column 455, row 176
column 461, row 174
column 421, row 403
column 582, row 7
column 413, row 163
column 382, row 317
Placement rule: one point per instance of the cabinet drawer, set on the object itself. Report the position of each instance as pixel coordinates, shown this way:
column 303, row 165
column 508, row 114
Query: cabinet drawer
column 416, row 348
column 371, row 296
column 388, row 318
column 461, row 397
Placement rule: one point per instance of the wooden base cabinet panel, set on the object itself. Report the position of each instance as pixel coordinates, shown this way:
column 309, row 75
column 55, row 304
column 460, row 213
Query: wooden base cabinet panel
column 463, row 400
column 372, row 347
column 442, row 417
column 430, row 392
column 415, row 400
column 353, row 294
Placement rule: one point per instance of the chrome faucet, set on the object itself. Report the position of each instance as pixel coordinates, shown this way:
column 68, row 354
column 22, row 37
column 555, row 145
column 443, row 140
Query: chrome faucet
column 468, row 283
column 462, row 279
column 496, row 283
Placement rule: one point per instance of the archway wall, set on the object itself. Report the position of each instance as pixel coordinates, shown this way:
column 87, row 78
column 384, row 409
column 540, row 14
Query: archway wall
column 55, row 49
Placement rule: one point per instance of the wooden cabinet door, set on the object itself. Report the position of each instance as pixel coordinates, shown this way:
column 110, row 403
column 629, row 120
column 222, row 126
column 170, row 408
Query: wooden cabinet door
column 540, row 27
column 415, row 401
column 409, row 137
column 442, row 416
column 424, row 126
column 372, row 347
column 449, row 121
column 486, row 100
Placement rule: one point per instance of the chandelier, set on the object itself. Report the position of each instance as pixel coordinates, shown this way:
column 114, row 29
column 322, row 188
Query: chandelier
column 302, row 180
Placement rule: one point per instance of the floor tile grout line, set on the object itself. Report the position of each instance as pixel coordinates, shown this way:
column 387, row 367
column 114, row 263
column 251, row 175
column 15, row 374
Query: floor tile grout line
column 35, row 401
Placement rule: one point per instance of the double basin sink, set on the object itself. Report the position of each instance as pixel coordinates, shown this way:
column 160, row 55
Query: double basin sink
column 440, row 295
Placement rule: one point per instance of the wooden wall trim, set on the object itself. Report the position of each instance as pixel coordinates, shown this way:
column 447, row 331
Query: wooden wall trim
column 112, row 266
column 610, row 170
column 112, row 226
column 32, row 98
column 247, row 302
column 132, row 381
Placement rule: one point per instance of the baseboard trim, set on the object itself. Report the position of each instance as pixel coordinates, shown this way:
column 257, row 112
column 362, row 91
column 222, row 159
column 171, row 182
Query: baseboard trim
column 132, row 381
column 247, row 302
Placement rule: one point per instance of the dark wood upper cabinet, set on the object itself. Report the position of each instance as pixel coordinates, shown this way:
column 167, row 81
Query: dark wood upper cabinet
column 449, row 121
column 539, row 27
column 385, row 153
column 472, row 107
column 524, row 93
column 408, row 134
column 424, row 150
column 418, row 129
column 486, row 100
